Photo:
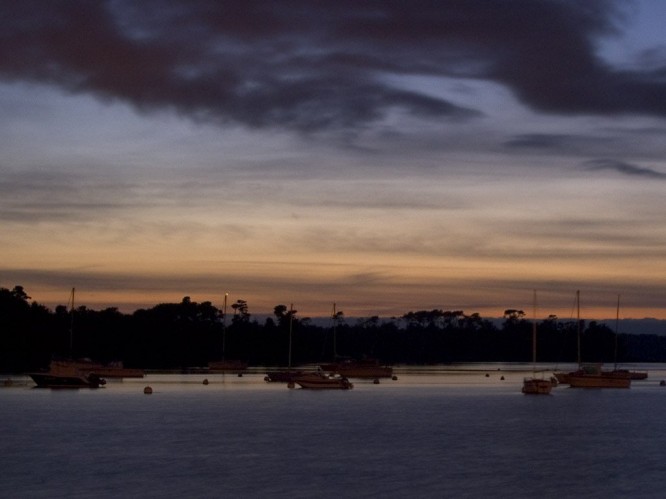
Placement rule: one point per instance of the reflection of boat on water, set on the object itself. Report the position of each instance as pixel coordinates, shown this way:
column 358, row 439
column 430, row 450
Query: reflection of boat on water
column 320, row 381
column 65, row 374
column 365, row 368
column 534, row 385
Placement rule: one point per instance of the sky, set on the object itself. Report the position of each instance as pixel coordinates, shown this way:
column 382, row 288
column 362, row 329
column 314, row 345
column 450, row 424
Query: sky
column 389, row 156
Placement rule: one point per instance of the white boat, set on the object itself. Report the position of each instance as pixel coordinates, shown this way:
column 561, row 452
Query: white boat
column 320, row 381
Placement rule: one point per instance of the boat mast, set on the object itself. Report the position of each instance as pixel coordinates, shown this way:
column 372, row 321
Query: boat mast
column 224, row 325
column 578, row 322
column 335, row 341
column 291, row 319
column 534, row 331
column 71, row 326
column 617, row 322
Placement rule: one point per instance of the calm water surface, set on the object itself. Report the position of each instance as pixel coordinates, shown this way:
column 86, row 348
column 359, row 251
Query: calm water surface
column 432, row 435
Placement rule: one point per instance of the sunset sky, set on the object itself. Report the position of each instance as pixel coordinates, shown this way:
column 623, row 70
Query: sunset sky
column 388, row 155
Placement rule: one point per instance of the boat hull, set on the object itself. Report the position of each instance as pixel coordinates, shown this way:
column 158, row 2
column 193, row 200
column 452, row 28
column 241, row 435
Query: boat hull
column 49, row 380
column 316, row 382
column 534, row 386
column 369, row 370
column 635, row 375
column 598, row 381
column 282, row 376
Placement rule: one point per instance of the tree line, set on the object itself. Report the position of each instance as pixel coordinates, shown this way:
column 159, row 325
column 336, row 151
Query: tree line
column 190, row 334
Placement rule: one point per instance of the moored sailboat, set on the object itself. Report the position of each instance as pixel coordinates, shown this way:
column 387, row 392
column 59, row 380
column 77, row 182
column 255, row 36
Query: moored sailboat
column 65, row 374
column 591, row 375
column 366, row 368
column 623, row 373
column 225, row 365
column 534, row 385
column 68, row 373
column 285, row 375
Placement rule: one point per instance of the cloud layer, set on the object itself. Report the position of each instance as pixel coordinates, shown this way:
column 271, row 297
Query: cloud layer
column 323, row 65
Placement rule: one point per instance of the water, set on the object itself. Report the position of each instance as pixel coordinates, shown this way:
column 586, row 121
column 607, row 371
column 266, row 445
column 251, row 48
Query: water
column 433, row 435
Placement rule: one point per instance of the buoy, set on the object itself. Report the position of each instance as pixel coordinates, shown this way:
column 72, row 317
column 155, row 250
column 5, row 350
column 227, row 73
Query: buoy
column 240, row 375
column 376, row 381
column 205, row 381
column 487, row 375
column 147, row 390
column 394, row 378
column 291, row 384
column 662, row 383
column 502, row 378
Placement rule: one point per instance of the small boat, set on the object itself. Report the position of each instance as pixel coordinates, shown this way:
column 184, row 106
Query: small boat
column 534, row 385
column 69, row 373
column 592, row 376
column 365, row 368
column 65, row 374
column 320, row 381
column 537, row 386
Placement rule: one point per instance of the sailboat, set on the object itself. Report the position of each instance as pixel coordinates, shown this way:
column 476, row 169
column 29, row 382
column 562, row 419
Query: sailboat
column 623, row 373
column 534, row 385
column 364, row 368
column 591, row 375
column 288, row 375
column 226, row 365
column 68, row 373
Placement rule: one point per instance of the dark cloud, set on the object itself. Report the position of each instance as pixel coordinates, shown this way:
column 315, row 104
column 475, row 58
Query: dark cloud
column 545, row 141
column 625, row 168
column 321, row 65
column 562, row 143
